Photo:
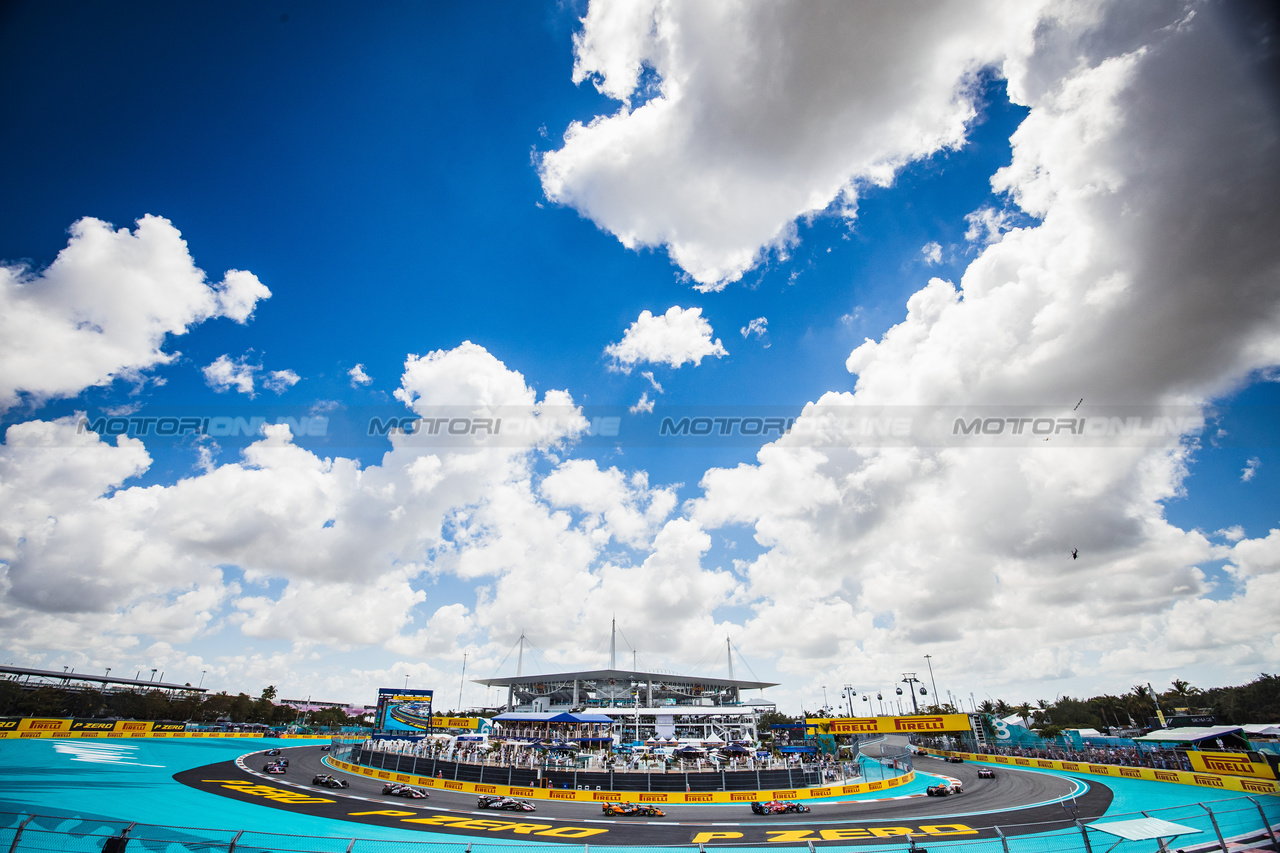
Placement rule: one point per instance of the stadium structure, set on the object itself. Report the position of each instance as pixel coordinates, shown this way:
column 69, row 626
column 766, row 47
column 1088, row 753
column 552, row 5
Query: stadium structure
column 643, row 706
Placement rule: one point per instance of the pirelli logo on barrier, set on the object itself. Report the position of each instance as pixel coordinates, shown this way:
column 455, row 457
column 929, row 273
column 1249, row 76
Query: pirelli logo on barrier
column 875, row 786
column 522, row 792
column 605, row 796
column 890, row 725
column 653, row 798
column 400, row 777
column 919, row 724
column 820, row 792
column 742, row 798
column 1044, row 764
column 1100, row 768
column 486, row 789
column 563, row 795
column 784, row 795
column 1069, row 765
column 851, row 789
column 1022, row 762
column 48, row 725
column 1207, row 781
column 1131, row 772
column 1001, row 759
column 1165, row 776
column 698, row 798
column 31, row 734
column 133, row 727
column 1230, row 764
column 1257, row 787
column 855, row 726
column 454, row 786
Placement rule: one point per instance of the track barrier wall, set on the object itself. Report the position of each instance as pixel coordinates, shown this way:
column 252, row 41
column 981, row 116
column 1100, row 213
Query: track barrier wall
column 1229, row 825
column 392, row 764
column 1243, row 784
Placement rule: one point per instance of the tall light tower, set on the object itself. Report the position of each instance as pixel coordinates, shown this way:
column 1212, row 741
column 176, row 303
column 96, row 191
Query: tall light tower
column 936, row 698
column 849, row 693
column 909, row 679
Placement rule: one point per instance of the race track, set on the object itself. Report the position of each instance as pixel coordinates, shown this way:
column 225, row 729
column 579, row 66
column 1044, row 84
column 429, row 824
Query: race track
column 1019, row 801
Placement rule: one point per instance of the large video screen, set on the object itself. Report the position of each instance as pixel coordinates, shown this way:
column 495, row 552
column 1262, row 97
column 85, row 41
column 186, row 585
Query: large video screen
column 403, row 710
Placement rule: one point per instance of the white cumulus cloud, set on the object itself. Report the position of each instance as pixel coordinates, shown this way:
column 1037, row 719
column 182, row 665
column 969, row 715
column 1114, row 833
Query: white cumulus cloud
column 358, row 376
column 103, row 308
column 766, row 111
column 680, row 336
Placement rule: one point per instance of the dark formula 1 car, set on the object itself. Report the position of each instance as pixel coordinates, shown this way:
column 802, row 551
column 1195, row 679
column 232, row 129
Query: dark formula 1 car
column 986, row 773
column 627, row 809
column 326, row 780
column 955, row 759
column 506, row 803
column 942, row 789
column 274, row 767
column 922, row 752
column 395, row 789
column 778, row 807
column 272, row 751
column 325, row 748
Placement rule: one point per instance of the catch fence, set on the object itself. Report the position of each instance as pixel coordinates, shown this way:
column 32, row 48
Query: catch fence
column 1228, row 826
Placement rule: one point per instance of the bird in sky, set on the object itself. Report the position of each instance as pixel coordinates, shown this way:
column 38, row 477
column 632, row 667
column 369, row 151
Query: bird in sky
column 1075, row 553
column 1078, row 404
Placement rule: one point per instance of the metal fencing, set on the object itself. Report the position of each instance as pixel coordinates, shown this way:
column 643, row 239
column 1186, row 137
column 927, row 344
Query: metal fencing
column 1226, row 825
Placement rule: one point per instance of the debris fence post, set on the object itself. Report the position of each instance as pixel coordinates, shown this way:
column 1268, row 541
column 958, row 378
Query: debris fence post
column 1222, row 842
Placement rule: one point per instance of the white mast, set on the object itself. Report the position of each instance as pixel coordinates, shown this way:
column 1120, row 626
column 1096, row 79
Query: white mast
column 729, row 650
column 613, row 645
column 520, row 657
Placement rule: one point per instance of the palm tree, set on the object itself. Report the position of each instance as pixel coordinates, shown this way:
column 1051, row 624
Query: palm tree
column 1024, row 711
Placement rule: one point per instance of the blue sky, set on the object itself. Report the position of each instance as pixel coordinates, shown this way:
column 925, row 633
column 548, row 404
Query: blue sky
column 406, row 178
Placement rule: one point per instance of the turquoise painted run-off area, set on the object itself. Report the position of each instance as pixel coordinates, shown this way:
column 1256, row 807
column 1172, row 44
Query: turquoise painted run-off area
column 130, row 780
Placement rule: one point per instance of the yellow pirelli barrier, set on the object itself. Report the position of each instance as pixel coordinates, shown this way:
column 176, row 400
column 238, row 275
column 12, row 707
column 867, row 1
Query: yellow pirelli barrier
column 1230, row 764
column 668, row 797
column 1179, row 777
column 57, row 727
column 920, row 724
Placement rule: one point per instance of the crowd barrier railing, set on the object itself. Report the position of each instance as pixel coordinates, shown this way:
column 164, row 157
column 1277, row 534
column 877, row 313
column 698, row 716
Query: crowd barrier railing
column 1225, row 825
column 1243, row 784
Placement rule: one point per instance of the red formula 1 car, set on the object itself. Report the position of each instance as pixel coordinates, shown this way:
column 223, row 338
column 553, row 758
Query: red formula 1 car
column 986, row 773
column 629, row 809
column 955, row 759
column 275, row 767
column 506, row 803
column 778, row 807
column 396, row 789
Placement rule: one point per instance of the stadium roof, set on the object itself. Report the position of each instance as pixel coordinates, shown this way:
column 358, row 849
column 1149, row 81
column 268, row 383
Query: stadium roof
column 623, row 675
column 1191, row 734
column 53, row 678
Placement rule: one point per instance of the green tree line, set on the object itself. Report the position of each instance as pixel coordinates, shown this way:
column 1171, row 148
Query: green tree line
column 51, row 701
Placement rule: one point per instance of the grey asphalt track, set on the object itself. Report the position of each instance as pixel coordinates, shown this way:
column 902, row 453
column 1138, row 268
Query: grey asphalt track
column 1019, row 801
